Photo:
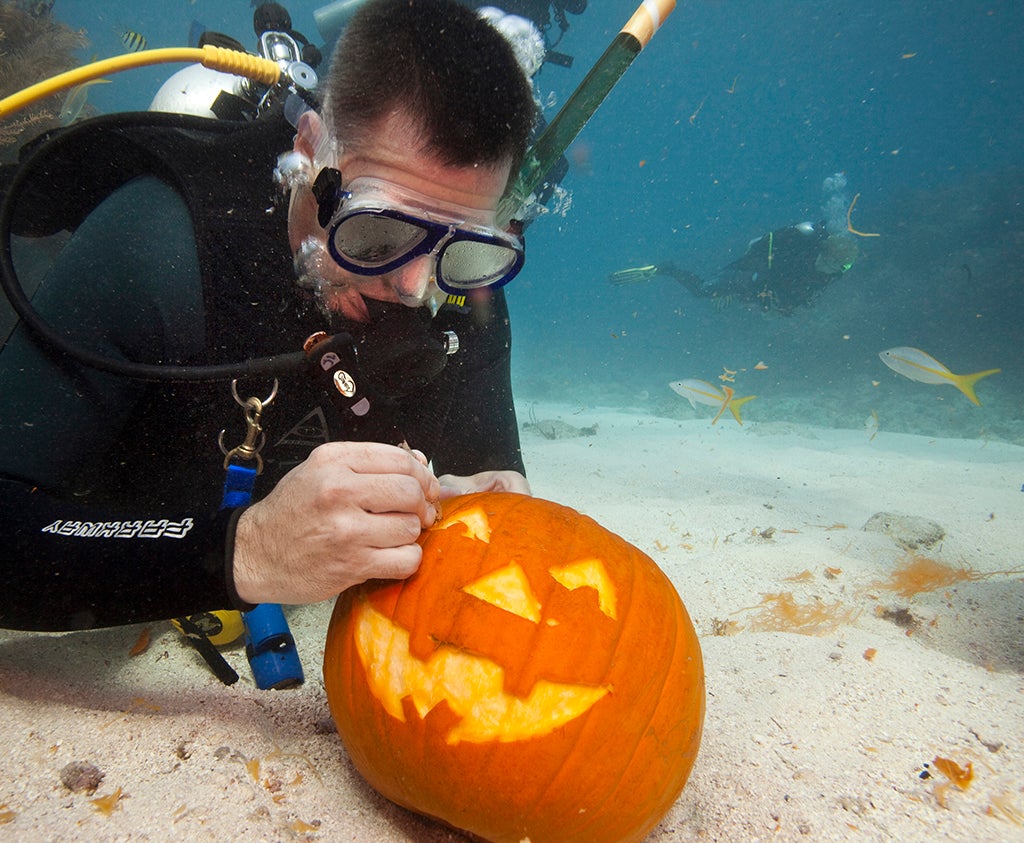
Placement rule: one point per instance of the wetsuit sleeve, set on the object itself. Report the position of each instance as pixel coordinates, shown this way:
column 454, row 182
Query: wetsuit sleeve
column 68, row 567
column 66, row 564
column 481, row 432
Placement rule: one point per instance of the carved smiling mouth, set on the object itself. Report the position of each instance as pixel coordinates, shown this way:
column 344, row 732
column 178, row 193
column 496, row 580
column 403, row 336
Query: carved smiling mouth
column 472, row 686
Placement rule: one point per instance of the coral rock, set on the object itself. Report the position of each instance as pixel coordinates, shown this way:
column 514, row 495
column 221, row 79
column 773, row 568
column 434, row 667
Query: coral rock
column 908, row 531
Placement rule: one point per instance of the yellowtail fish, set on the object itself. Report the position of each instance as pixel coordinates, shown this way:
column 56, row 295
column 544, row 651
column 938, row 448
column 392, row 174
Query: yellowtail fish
column 701, row 392
column 133, row 41
column 921, row 367
column 75, row 101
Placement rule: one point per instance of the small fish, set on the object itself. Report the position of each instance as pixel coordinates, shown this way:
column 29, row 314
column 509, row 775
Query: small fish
column 921, row 367
column 133, row 41
column 701, row 392
column 75, row 101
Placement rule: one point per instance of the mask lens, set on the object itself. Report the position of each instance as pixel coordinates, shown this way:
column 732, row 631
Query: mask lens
column 374, row 240
column 470, row 263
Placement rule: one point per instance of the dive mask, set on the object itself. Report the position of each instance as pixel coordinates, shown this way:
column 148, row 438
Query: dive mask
column 375, row 226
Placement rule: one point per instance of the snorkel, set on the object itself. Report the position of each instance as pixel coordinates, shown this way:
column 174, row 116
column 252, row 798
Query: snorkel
column 582, row 104
column 553, row 141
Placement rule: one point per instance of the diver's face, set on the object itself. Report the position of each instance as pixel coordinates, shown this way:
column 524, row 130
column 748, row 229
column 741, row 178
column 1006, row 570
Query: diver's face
column 393, row 156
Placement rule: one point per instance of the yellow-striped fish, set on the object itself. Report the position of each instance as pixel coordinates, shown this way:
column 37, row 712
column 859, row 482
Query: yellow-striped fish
column 75, row 101
column 922, row 367
column 701, row 392
column 133, row 41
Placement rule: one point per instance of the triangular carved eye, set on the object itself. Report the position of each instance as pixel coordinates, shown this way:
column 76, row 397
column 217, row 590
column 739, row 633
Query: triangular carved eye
column 508, row 589
column 477, row 526
column 589, row 573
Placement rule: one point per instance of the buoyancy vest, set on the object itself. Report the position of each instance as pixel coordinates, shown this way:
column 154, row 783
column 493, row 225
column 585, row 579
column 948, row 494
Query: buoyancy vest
column 223, row 172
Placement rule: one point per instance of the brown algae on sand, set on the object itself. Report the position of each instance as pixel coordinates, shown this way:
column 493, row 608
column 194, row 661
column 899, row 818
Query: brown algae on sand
column 722, row 627
column 106, row 804
column 960, row 776
column 781, row 612
column 917, row 573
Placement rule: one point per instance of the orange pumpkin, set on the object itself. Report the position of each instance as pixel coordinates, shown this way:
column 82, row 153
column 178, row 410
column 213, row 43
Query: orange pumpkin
column 538, row 678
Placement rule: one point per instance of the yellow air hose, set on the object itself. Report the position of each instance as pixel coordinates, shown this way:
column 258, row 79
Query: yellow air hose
column 258, row 69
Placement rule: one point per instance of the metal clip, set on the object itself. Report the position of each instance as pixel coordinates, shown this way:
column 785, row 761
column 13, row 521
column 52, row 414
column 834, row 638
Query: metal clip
column 255, row 438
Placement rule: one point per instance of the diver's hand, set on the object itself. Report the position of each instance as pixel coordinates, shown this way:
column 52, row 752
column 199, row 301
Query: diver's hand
column 485, row 481
column 352, row 511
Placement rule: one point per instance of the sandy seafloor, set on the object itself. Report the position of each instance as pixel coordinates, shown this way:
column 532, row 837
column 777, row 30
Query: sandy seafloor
column 805, row 738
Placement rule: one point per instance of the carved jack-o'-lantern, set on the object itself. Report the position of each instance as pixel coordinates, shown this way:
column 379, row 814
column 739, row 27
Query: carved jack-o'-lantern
column 538, row 678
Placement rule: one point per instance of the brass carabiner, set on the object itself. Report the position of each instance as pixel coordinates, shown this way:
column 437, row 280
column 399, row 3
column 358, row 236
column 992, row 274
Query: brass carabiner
column 255, row 438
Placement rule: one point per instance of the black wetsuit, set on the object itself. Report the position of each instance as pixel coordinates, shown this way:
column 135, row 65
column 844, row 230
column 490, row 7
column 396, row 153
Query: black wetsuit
column 777, row 272
column 110, row 487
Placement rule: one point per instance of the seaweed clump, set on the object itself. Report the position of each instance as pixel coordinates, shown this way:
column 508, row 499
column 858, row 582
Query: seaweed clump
column 33, row 46
column 920, row 573
column 781, row 612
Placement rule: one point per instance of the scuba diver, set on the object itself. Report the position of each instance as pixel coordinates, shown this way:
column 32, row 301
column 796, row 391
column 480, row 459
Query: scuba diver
column 782, row 270
column 346, row 307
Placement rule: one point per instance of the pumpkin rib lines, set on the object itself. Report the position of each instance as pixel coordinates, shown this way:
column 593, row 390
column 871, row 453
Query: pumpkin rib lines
column 627, row 767
column 625, row 607
column 542, row 797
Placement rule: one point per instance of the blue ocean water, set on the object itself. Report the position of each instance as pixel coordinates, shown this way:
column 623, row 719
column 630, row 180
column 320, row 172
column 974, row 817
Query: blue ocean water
column 724, row 128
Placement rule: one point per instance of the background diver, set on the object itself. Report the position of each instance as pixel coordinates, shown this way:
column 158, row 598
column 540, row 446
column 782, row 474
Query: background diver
column 781, row 270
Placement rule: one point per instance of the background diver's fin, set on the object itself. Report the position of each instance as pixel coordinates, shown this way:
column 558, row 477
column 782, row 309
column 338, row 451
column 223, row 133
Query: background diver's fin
column 641, row 274
column 632, row 275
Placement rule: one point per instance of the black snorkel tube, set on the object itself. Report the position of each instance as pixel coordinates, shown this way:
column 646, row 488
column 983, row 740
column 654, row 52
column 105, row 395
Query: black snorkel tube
column 582, row 104
column 562, row 130
column 554, row 140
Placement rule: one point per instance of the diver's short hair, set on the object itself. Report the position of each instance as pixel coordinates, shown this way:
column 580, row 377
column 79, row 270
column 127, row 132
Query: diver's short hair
column 441, row 65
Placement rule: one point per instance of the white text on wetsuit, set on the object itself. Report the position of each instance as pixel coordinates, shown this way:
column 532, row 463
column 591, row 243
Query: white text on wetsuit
column 151, row 529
